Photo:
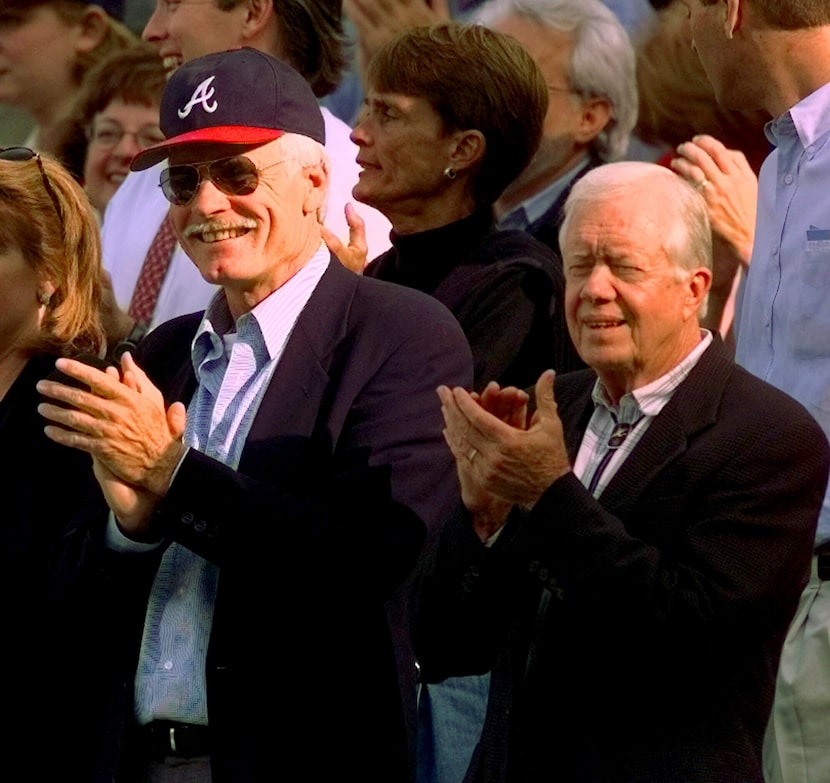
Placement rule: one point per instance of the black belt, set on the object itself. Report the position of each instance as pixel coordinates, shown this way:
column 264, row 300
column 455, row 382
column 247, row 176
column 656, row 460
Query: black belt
column 163, row 738
column 822, row 554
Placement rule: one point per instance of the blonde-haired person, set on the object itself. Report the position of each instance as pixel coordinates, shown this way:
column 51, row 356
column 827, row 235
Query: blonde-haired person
column 46, row 49
column 49, row 296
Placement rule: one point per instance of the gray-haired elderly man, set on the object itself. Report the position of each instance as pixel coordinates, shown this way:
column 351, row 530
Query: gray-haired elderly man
column 629, row 556
column 588, row 62
column 138, row 250
column 253, row 537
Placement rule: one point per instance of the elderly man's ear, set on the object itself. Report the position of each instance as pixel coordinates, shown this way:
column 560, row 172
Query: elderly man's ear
column 317, row 181
column 594, row 116
column 698, row 285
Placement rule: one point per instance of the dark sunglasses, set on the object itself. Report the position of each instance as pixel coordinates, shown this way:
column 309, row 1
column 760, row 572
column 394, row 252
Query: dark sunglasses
column 23, row 154
column 236, row 176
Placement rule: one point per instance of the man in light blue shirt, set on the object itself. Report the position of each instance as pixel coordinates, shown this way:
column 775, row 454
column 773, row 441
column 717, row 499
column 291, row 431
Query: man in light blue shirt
column 775, row 55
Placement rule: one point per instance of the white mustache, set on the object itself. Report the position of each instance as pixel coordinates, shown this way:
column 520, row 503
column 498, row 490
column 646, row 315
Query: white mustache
column 214, row 226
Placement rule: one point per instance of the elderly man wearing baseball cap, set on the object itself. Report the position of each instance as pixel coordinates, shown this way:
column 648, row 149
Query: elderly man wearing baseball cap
column 266, row 468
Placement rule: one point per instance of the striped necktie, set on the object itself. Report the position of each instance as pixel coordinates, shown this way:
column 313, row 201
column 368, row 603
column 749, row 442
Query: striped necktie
column 153, row 271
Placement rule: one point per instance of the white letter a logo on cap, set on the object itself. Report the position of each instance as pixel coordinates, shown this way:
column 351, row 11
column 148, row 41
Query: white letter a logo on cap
column 202, row 94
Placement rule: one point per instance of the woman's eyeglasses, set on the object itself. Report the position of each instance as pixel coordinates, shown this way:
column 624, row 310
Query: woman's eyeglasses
column 23, row 154
column 236, row 176
column 107, row 135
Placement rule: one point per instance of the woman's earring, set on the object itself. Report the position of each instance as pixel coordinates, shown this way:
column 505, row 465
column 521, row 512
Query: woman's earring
column 43, row 298
column 449, row 172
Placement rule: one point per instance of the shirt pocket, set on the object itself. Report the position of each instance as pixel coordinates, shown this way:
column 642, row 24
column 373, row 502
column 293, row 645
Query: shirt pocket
column 811, row 319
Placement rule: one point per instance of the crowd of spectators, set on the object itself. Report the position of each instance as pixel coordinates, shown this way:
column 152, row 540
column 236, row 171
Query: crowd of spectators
column 243, row 243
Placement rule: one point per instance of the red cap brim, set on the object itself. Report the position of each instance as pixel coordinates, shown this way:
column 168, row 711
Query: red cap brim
column 222, row 134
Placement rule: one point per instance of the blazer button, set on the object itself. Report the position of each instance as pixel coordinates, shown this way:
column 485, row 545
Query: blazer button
column 187, row 518
column 200, row 526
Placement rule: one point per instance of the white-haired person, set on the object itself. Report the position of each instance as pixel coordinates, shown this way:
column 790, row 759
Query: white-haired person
column 628, row 558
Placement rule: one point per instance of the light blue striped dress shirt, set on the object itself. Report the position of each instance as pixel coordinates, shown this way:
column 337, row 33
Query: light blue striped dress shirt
column 233, row 369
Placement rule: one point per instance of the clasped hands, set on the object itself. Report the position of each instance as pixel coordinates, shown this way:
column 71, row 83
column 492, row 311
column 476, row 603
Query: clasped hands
column 503, row 459
column 122, row 421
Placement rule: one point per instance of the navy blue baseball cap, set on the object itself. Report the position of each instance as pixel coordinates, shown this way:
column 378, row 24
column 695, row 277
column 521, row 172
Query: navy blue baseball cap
column 242, row 98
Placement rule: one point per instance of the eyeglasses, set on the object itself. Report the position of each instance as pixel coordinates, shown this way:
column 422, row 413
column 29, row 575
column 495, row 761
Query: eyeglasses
column 236, row 176
column 109, row 135
column 23, row 154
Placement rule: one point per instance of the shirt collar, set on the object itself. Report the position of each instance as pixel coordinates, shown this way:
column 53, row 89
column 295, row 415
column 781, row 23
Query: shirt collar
column 536, row 206
column 809, row 119
column 650, row 399
column 269, row 322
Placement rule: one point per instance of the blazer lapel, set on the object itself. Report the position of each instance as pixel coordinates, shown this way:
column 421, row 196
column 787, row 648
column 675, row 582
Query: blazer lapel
column 575, row 413
column 292, row 404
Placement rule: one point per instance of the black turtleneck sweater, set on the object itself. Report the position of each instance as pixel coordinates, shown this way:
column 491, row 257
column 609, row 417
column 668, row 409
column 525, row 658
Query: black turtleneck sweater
column 505, row 288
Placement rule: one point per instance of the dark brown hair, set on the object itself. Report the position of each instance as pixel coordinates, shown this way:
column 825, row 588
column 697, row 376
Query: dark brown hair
column 475, row 79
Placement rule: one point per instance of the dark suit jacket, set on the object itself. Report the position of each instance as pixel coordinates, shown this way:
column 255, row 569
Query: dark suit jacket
column 669, row 598
column 39, row 485
column 343, row 467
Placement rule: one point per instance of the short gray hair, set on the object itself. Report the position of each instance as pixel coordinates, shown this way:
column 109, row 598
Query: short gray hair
column 602, row 62
column 688, row 234
column 306, row 152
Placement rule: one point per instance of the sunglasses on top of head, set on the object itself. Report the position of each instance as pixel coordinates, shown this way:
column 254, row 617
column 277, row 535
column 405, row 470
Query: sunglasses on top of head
column 234, row 176
column 24, row 154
